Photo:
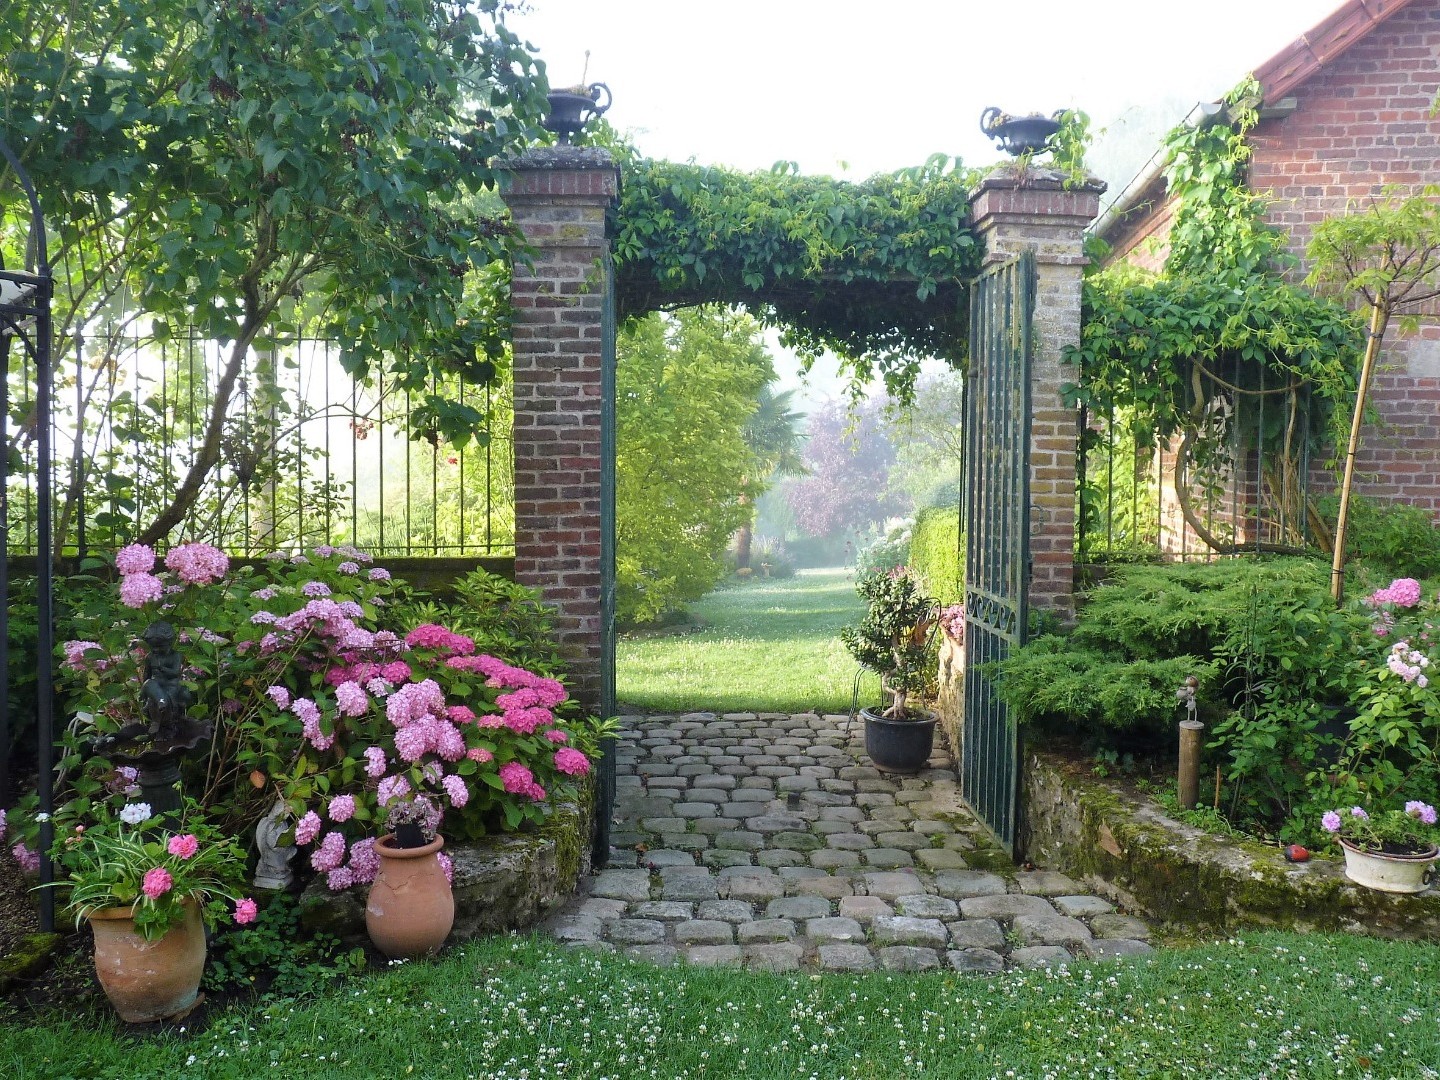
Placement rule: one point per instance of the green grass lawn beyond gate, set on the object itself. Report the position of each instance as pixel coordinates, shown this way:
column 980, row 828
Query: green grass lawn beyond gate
column 766, row 646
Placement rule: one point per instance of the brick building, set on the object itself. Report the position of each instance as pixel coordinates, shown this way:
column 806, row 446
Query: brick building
column 1348, row 110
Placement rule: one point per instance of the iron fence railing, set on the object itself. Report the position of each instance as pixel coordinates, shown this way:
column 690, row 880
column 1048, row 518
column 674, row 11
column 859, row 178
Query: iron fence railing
column 1236, row 479
column 307, row 455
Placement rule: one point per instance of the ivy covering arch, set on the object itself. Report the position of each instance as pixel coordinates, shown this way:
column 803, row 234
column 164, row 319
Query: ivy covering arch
column 877, row 271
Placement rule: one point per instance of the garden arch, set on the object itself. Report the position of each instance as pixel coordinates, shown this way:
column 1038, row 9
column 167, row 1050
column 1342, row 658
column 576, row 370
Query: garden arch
column 566, row 297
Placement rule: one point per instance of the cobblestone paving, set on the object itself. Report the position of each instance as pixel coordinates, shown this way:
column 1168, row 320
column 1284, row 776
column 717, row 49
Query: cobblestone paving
column 770, row 841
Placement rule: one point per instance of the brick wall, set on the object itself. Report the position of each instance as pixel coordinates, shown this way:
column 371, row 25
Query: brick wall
column 558, row 197
column 1012, row 211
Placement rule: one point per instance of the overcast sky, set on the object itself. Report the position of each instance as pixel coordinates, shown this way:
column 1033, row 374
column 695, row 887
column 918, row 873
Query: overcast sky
column 839, row 85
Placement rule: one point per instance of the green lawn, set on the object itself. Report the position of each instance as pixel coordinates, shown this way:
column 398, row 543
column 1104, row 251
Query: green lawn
column 768, row 646
column 1270, row 1005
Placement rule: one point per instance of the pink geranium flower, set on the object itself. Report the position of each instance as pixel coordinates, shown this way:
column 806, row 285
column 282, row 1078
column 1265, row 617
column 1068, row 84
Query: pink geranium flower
column 183, row 847
column 157, row 882
column 245, row 911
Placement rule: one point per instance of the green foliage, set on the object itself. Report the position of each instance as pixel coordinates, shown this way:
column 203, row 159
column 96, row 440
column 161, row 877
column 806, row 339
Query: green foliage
column 1391, row 538
column 937, row 553
column 1387, row 250
column 872, row 271
column 276, row 956
column 887, row 552
column 893, row 638
column 686, row 385
column 1069, row 145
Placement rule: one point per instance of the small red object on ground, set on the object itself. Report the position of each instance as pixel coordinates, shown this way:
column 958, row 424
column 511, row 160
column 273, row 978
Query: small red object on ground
column 1296, row 853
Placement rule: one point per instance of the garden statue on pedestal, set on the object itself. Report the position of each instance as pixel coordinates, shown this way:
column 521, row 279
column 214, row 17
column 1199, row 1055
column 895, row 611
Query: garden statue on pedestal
column 273, row 869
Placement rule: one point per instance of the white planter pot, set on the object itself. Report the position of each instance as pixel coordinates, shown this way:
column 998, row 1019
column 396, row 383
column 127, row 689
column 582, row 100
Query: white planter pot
column 1389, row 873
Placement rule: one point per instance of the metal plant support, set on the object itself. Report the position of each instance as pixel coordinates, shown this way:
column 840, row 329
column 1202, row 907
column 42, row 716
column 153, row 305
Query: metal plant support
column 997, row 533
column 25, row 297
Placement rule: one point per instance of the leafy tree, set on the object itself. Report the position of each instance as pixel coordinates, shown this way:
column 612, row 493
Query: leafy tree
column 206, row 162
column 1389, row 253
column 930, row 442
column 686, row 384
column 849, row 461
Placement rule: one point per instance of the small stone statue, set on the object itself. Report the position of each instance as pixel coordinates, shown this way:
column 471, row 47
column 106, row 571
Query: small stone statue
column 273, row 870
column 163, row 698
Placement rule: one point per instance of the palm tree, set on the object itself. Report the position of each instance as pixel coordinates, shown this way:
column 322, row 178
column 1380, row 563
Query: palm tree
column 774, row 439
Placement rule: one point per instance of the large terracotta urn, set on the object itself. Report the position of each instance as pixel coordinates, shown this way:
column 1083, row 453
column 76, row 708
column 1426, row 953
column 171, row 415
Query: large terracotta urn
column 411, row 909
column 148, row 980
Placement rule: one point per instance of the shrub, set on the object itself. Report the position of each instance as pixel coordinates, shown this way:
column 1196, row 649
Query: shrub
column 937, row 553
column 889, row 551
column 1392, row 538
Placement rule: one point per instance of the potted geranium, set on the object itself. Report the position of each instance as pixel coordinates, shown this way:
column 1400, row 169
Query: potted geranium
column 1391, row 850
column 891, row 640
column 147, row 892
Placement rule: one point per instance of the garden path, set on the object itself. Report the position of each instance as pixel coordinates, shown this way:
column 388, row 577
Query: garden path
column 768, row 840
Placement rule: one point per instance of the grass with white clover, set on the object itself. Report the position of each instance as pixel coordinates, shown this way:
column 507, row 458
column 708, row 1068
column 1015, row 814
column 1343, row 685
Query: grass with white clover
column 1263, row 1005
column 765, row 646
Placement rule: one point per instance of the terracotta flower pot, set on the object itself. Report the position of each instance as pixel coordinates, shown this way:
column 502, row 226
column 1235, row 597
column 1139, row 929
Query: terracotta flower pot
column 148, row 980
column 1389, row 873
column 411, row 909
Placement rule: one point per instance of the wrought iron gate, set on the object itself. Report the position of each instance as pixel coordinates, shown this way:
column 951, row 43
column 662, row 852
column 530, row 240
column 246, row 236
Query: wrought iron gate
column 997, row 532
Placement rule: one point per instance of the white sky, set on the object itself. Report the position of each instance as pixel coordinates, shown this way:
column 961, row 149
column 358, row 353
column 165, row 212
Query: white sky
column 874, row 87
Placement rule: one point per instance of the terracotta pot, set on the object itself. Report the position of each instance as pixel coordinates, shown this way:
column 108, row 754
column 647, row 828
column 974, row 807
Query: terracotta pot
column 411, row 909
column 1389, row 873
column 148, row 980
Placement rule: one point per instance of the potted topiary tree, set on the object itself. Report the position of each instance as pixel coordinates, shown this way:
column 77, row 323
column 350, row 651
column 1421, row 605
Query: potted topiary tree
column 891, row 641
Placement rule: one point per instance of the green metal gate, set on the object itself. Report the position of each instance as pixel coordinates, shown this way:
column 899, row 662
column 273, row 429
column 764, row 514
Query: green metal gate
column 997, row 532
column 605, row 774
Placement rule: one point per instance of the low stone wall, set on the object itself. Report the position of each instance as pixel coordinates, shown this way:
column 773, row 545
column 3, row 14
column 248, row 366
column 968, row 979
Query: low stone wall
column 505, row 882
column 950, row 698
column 1126, row 848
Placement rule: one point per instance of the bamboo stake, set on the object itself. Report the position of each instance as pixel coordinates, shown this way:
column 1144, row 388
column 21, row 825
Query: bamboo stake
column 1378, row 319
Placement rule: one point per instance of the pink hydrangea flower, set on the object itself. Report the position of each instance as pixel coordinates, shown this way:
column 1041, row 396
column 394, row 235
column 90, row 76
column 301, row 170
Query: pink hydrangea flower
column 571, row 761
column 396, row 672
column 135, row 559
column 479, row 753
column 307, row 828
column 348, row 568
column 519, row 780
column 411, row 742
column 140, row 589
column 197, row 564
column 75, row 653
column 448, row 742
column 315, row 588
column 455, row 788
column 374, row 762
column 29, row 860
column 342, row 808
column 364, row 863
column 184, row 846
column 447, row 866
column 245, row 911
column 280, row 696
column 391, row 788
column 351, row 699
column 340, row 878
column 156, row 883
column 460, row 714
column 2, row 824
column 330, row 854
column 556, row 735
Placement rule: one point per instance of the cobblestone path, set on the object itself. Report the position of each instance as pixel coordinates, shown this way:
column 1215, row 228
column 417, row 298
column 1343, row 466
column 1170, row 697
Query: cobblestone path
column 770, row 841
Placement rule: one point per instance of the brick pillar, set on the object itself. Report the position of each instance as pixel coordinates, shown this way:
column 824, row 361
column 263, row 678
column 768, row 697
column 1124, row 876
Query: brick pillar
column 558, row 197
column 1012, row 210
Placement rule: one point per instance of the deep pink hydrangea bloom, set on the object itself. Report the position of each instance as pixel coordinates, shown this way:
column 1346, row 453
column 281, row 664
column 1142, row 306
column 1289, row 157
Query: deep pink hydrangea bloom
column 571, row 761
column 245, row 911
column 184, row 846
column 135, row 559
column 396, row 672
column 156, row 883
column 140, row 589
column 197, row 564
column 460, row 714
column 556, row 735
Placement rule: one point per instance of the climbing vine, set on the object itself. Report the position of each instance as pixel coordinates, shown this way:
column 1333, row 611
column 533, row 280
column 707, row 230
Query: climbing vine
column 874, row 271
column 1219, row 350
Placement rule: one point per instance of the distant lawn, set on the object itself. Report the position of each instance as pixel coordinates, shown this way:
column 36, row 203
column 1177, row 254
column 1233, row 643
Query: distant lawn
column 767, row 646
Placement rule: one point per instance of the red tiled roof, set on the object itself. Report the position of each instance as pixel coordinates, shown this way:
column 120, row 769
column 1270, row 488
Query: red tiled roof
column 1320, row 45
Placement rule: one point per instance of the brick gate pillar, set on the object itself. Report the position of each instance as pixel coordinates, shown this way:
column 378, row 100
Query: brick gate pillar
column 1011, row 210
column 558, row 197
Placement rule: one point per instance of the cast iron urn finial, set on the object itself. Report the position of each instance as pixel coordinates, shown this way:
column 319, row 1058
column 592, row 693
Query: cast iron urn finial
column 571, row 107
column 1019, row 134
